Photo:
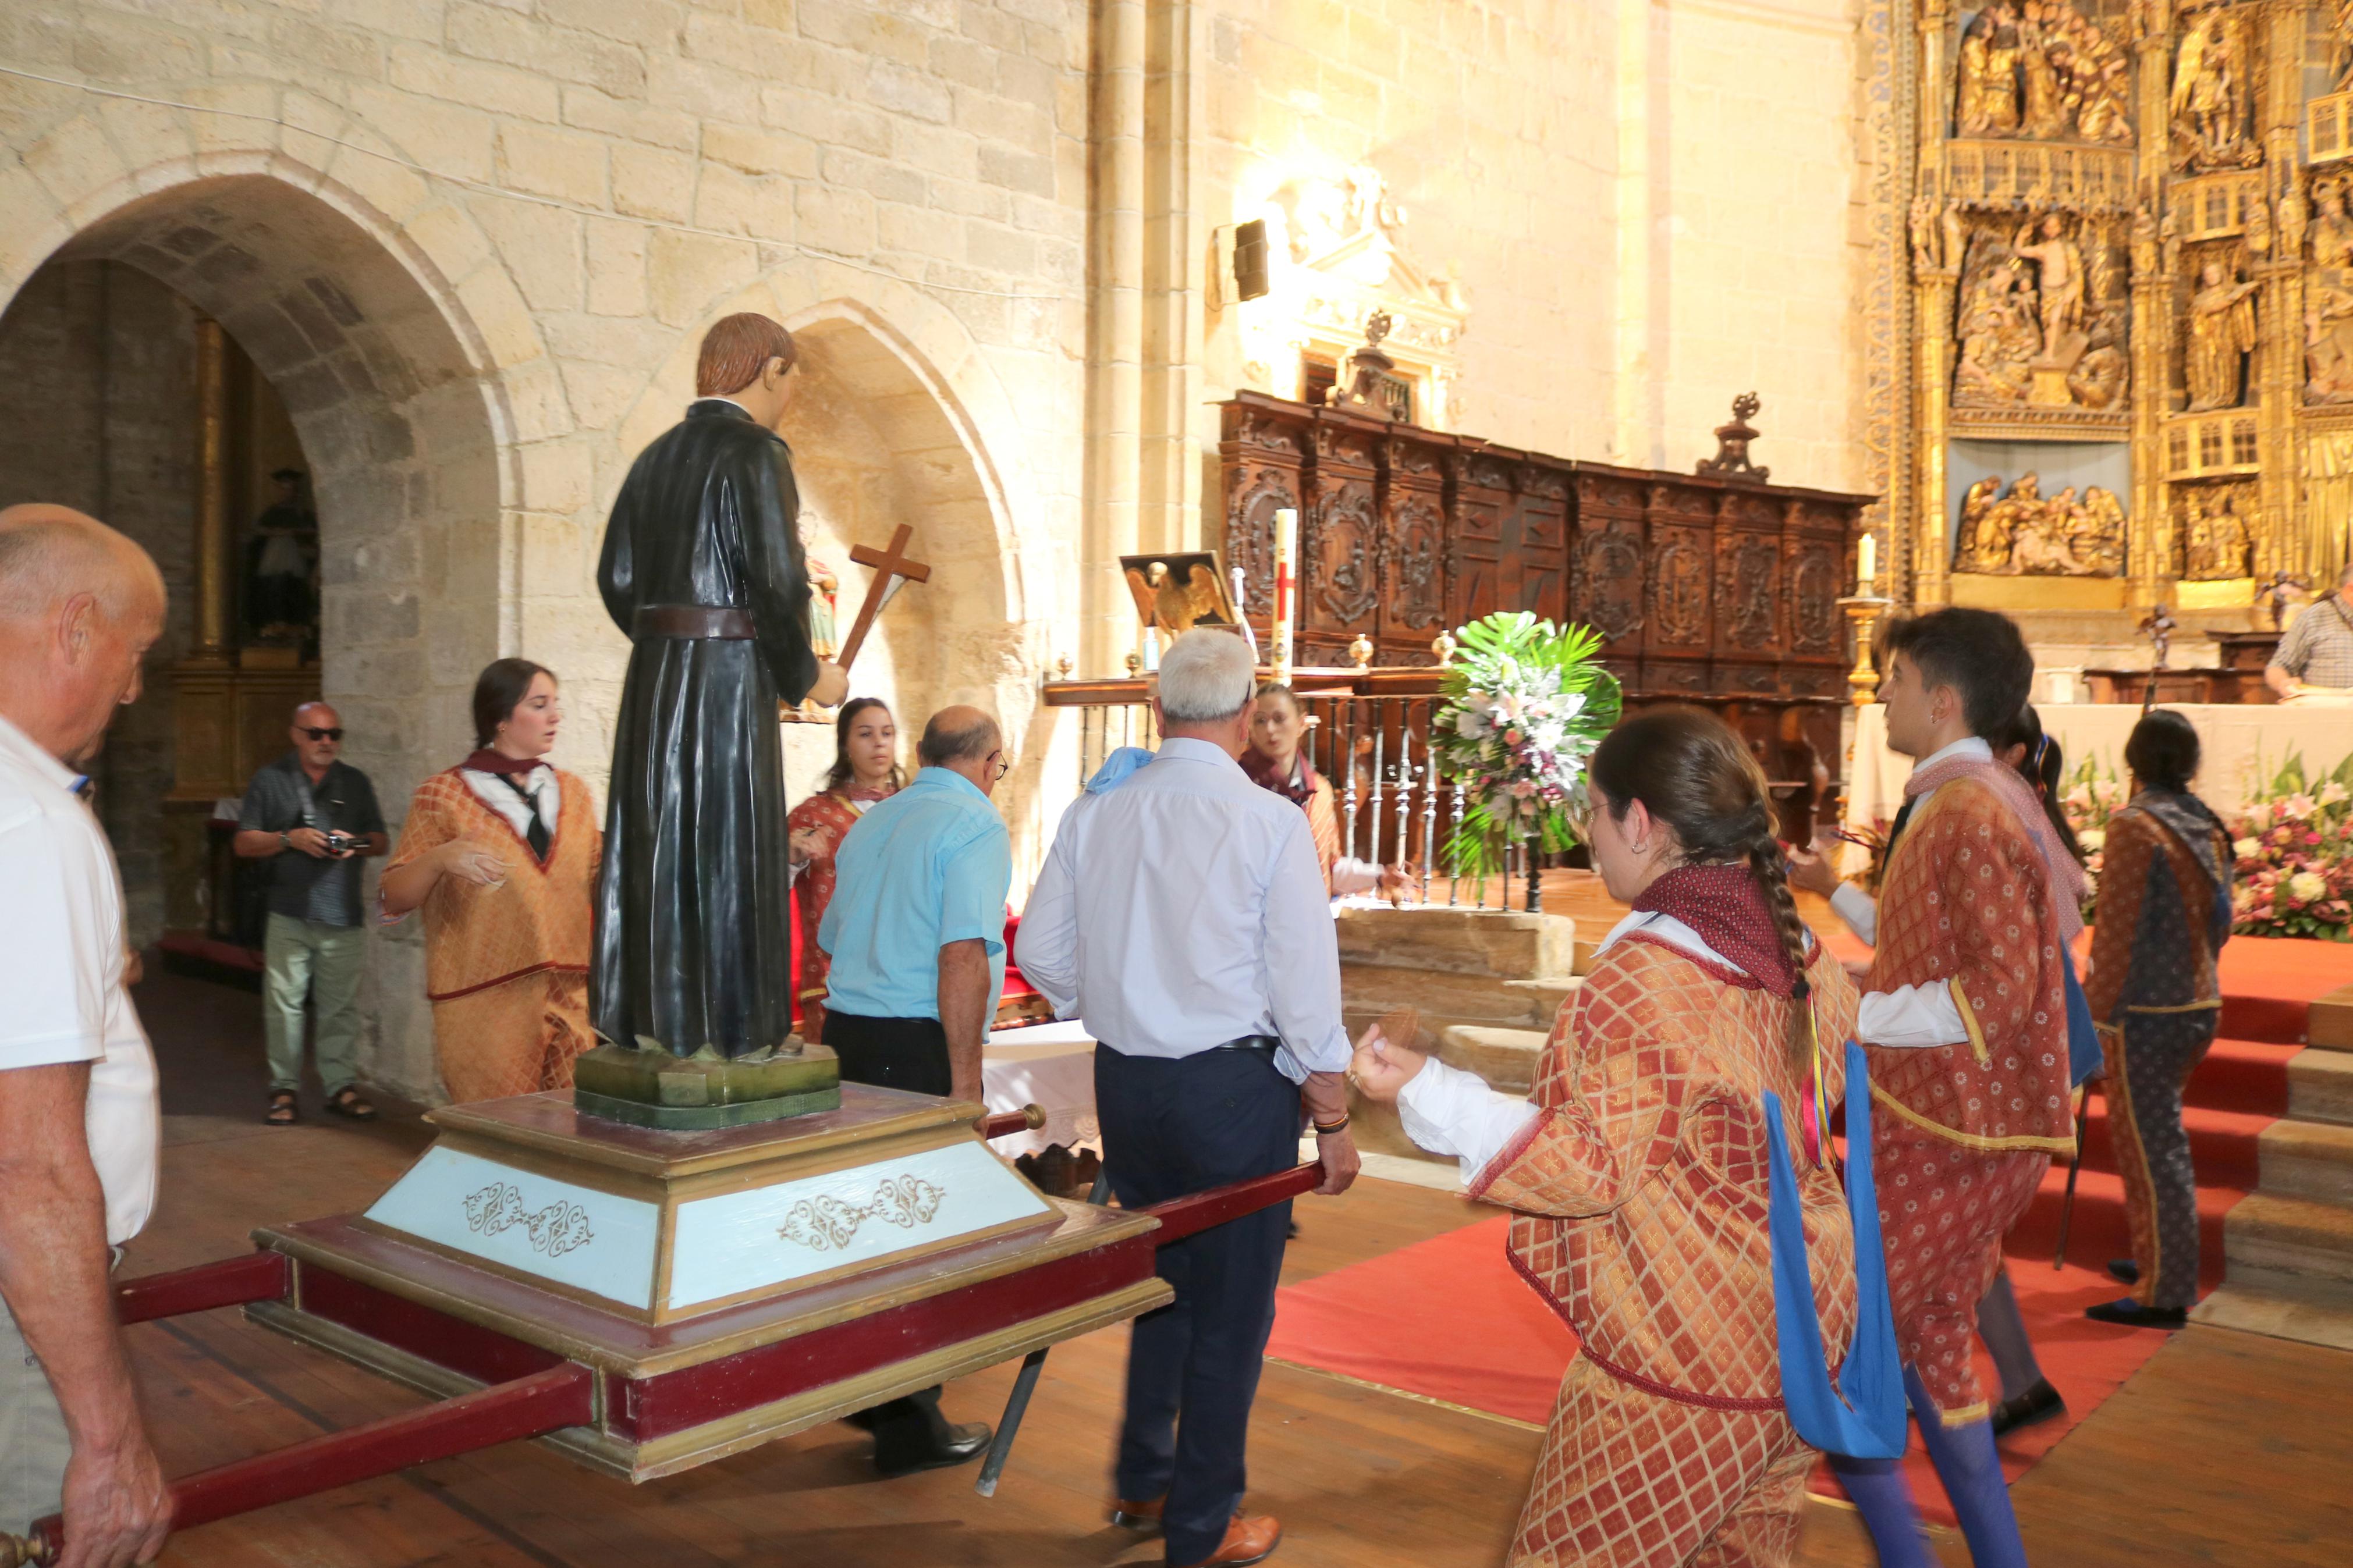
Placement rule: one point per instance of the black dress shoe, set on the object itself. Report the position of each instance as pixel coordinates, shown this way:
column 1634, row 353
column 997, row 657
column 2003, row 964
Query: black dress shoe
column 2125, row 1270
column 2133, row 1315
column 2041, row 1402
column 960, row 1446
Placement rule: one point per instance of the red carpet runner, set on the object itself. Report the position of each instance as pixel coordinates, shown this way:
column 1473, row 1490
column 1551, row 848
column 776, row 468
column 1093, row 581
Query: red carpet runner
column 1447, row 1318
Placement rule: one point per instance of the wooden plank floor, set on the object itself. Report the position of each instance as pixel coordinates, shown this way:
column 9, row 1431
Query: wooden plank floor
column 2227, row 1448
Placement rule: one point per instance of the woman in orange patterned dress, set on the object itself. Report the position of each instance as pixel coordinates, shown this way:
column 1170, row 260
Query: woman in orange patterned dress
column 865, row 770
column 1639, row 1172
column 501, row 852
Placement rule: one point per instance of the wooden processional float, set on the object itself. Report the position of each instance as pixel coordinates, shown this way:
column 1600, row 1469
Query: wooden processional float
column 647, row 1299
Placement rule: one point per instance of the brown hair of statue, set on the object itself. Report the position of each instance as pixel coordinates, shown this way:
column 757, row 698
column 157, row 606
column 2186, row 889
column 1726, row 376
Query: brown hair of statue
column 736, row 350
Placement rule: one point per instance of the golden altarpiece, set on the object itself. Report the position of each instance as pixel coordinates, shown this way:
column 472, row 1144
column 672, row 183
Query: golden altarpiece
column 2118, row 302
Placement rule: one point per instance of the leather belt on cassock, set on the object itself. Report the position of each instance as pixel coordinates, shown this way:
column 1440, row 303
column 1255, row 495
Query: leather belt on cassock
column 691, row 621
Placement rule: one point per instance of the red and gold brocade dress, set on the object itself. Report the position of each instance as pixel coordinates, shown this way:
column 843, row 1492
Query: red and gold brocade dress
column 1640, row 1192
column 506, row 967
column 832, row 812
column 1967, row 1129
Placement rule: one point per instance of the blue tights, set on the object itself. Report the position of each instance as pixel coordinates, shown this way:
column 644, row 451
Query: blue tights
column 1965, row 1462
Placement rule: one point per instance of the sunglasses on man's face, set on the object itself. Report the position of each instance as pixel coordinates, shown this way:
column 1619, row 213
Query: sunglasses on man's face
column 323, row 734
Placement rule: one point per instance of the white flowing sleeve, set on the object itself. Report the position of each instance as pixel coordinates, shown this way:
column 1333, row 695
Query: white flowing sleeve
column 1859, row 910
column 1449, row 1111
column 1911, row 1018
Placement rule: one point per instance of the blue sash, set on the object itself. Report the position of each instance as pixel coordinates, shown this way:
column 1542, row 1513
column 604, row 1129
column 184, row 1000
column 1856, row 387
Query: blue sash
column 1118, row 768
column 1864, row 1416
column 2082, row 1039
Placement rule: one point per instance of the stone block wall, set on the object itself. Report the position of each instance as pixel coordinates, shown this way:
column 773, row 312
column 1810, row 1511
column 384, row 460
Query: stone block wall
column 97, row 364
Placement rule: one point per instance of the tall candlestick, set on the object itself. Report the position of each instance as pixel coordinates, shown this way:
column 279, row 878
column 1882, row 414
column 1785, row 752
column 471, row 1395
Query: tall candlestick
column 1286, row 550
column 1866, row 563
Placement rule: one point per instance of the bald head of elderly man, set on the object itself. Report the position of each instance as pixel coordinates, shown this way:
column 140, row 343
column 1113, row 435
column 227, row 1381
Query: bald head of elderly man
column 80, row 607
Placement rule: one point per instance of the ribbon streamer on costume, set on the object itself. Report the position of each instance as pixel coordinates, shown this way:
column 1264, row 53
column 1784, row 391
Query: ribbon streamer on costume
column 1864, row 1416
column 2083, row 1038
column 1118, row 768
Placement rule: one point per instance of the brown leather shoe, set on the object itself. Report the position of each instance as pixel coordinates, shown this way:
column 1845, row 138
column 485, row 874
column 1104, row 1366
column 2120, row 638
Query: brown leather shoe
column 1247, row 1541
column 1141, row 1517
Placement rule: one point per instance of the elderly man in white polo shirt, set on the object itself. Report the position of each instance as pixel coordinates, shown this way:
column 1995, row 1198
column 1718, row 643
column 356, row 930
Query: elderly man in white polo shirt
column 79, row 605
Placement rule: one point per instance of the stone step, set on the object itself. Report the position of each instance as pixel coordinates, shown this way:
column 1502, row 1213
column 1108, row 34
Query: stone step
column 2329, row 1023
column 1506, row 1059
column 1500, row 945
column 2310, row 1160
column 2284, row 1306
column 2320, row 1086
column 1445, row 997
column 2280, row 1235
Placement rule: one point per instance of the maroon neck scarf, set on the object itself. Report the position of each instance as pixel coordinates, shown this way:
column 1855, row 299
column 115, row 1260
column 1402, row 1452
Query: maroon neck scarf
column 1726, row 907
column 1299, row 789
column 487, row 761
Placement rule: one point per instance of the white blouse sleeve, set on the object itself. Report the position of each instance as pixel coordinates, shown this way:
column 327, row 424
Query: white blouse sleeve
column 1859, row 910
column 1911, row 1018
column 1449, row 1111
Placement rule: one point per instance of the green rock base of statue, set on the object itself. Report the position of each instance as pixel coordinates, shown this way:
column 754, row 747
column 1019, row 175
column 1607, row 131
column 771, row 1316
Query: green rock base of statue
column 656, row 1089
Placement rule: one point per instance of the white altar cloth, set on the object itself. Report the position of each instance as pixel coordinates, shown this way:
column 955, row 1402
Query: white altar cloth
column 2242, row 746
column 1051, row 1065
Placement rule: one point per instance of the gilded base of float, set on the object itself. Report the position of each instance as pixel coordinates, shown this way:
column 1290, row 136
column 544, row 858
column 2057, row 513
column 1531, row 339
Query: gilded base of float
column 2228, row 594
column 726, row 1286
column 704, row 1118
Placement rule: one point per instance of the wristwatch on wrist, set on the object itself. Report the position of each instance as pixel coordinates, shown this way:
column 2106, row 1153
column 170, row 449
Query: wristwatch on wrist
column 285, row 839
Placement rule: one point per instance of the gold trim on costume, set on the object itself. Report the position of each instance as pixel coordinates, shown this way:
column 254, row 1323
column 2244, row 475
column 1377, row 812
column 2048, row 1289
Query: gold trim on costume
column 2185, row 1007
column 1969, row 1140
column 1970, row 1022
column 1981, row 1410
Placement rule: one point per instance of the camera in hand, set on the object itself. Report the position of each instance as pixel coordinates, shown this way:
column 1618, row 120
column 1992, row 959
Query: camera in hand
column 342, row 843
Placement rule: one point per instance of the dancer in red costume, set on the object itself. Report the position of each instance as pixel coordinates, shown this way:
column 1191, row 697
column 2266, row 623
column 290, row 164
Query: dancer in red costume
column 1638, row 1173
column 1965, row 1023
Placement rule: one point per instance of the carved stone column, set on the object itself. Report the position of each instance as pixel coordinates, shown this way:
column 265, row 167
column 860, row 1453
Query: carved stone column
column 2277, row 384
column 212, row 644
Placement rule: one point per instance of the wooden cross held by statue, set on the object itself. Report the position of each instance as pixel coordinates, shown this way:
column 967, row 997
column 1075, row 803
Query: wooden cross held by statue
column 2158, row 624
column 892, row 566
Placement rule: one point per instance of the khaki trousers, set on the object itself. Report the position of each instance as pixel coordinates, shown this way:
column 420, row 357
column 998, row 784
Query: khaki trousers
column 302, row 959
column 34, row 1448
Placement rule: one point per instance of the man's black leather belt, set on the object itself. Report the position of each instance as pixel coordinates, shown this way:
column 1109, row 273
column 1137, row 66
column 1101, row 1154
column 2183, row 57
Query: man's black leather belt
column 691, row 621
column 1265, row 1045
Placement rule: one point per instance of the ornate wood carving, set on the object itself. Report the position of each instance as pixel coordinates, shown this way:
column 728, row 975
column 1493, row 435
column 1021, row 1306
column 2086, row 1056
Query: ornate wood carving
column 1704, row 588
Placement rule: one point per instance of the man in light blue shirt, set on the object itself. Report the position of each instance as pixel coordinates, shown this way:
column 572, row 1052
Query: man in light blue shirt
column 916, row 927
column 916, row 930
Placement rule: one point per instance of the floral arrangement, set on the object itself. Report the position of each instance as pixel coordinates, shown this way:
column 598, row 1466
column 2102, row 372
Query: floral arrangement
column 1523, row 706
column 2092, row 796
column 2294, row 842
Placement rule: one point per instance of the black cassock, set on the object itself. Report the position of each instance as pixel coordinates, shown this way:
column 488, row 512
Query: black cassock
column 693, row 900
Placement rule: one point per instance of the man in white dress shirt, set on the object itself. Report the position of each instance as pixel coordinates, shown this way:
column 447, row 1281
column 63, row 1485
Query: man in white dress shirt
column 80, row 607
column 1181, row 913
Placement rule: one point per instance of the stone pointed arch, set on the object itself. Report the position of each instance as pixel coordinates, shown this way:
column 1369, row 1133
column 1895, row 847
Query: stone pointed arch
column 415, row 379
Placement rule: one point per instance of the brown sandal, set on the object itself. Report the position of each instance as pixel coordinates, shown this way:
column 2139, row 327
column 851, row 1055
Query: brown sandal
column 346, row 1102
column 281, row 1111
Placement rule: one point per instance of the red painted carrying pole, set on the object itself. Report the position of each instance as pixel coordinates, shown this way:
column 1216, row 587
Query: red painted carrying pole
column 504, row 1413
column 1181, row 1218
column 231, row 1282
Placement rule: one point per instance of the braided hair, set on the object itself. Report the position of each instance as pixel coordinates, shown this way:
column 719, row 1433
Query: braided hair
column 2043, row 764
column 1691, row 772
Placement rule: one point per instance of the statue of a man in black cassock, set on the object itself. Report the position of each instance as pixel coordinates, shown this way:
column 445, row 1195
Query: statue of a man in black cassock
column 702, row 568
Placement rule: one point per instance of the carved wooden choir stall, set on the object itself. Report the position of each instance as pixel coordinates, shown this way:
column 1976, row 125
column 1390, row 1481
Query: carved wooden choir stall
column 1718, row 587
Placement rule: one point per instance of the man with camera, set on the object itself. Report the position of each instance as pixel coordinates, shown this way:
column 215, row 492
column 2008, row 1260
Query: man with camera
column 314, row 818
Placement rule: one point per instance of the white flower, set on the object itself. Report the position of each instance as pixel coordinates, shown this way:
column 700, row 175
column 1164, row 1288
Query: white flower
column 2245, row 848
column 2331, row 792
column 2306, row 886
column 1470, row 723
column 2092, row 839
column 2300, row 806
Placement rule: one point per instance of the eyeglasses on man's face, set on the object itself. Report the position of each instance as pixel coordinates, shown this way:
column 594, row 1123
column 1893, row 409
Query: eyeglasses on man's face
column 323, row 734
column 1000, row 763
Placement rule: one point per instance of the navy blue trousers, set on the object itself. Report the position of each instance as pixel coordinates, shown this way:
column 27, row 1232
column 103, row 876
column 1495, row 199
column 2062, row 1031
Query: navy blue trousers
column 1171, row 1127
